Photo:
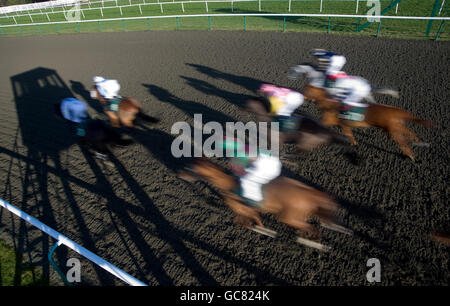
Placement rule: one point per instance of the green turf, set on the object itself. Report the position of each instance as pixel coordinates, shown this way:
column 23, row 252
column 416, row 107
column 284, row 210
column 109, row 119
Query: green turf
column 14, row 271
column 389, row 28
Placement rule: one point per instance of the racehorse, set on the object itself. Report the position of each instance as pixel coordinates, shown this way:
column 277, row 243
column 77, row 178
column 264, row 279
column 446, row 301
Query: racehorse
column 307, row 133
column 97, row 135
column 390, row 119
column 129, row 110
column 292, row 202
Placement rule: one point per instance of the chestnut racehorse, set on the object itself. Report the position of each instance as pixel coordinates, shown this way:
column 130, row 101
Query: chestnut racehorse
column 308, row 135
column 390, row 119
column 292, row 202
column 129, row 110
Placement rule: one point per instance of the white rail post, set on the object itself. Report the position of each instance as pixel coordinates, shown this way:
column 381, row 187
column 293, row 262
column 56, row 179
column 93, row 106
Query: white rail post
column 321, row 6
column 232, row 6
column 396, row 9
column 206, row 2
column 48, row 17
column 101, row 10
column 289, row 5
column 259, row 5
column 130, row 2
column 182, row 6
column 120, row 10
column 31, row 18
column 440, row 10
column 82, row 13
column 357, row 6
column 162, row 11
column 14, row 19
column 140, row 10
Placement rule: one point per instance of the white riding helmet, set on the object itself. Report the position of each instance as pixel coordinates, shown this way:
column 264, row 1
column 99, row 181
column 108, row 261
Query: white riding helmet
column 108, row 89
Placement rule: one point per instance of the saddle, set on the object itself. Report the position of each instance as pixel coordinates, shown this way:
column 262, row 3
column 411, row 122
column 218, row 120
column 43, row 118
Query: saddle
column 352, row 113
column 288, row 124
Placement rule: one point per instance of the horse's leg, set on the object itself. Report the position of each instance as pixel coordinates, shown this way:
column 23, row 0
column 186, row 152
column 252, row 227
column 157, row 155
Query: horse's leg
column 347, row 130
column 127, row 118
column 402, row 142
column 244, row 211
column 113, row 118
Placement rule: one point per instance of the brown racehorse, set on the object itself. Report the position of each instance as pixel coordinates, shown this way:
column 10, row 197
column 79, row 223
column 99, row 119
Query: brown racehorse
column 292, row 202
column 129, row 109
column 390, row 119
column 309, row 133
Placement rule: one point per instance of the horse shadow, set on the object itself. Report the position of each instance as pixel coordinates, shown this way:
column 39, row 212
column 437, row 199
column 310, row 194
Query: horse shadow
column 190, row 108
column 251, row 84
column 37, row 93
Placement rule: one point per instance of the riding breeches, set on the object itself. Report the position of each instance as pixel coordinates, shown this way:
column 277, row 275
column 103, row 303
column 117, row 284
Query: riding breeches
column 263, row 170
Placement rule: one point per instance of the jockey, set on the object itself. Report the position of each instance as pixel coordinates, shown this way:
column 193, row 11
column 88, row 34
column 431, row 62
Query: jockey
column 75, row 111
column 283, row 102
column 109, row 90
column 330, row 63
column 256, row 171
column 350, row 91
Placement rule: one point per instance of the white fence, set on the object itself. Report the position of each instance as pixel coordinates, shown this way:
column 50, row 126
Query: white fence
column 234, row 15
column 73, row 245
column 36, row 6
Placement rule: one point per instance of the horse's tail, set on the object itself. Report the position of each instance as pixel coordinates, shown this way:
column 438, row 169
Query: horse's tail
column 386, row 91
column 327, row 208
column 417, row 120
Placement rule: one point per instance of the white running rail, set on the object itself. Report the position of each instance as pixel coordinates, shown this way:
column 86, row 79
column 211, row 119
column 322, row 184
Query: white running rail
column 73, row 245
column 231, row 15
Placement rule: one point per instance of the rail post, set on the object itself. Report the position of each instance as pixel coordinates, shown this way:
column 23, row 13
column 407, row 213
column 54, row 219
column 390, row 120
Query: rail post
column 433, row 13
column 329, row 25
column 178, row 23
column 57, row 29
column 439, row 31
column 124, row 26
column 284, row 24
column 78, row 27
column 100, row 26
column 55, row 266
column 209, row 19
column 379, row 27
column 1, row 32
column 149, row 25
column 245, row 24
column 39, row 29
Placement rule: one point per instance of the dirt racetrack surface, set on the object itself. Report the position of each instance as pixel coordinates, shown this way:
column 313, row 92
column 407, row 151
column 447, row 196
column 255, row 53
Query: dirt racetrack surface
column 138, row 215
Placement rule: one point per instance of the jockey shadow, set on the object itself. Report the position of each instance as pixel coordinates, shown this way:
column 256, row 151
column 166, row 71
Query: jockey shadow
column 188, row 107
column 37, row 94
column 163, row 229
column 248, row 83
column 211, row 90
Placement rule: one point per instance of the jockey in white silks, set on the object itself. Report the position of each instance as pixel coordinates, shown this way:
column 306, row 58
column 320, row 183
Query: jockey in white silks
column 351, row 92
column 256, row 170
column 330, row 63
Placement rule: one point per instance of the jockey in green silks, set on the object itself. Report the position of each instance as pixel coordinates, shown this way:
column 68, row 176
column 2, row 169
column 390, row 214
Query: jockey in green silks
column 254, row 171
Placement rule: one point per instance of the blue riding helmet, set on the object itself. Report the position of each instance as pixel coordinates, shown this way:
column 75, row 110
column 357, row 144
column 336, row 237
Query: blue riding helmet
column 323, row 54
column 74, row 110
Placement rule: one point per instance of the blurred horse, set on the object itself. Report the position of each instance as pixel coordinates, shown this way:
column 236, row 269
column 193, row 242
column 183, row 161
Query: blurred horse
column 92, row 134
column 292, row 202
column 129, row 110
column 390, row 119
column 307, row 133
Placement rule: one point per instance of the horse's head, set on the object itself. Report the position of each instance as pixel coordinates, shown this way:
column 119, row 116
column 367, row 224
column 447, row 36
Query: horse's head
column 203, row 169
column 298, row 70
